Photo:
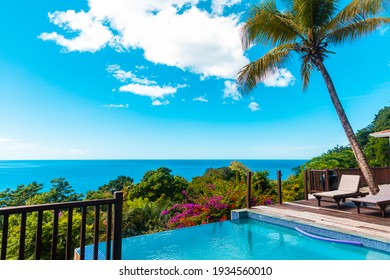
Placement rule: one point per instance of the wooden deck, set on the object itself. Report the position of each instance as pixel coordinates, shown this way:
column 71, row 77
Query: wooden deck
column 348, row 210
column 368, row 224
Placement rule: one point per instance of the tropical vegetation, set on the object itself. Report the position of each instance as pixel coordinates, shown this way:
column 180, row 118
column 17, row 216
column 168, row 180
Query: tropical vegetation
column 160, row 201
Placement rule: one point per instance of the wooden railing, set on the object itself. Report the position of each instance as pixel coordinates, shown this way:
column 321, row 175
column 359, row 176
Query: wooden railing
column 327, row 179
column 113, row 227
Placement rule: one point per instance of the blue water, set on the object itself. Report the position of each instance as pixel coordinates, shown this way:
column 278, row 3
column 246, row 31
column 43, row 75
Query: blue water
column 85, row 175
column 243, row 239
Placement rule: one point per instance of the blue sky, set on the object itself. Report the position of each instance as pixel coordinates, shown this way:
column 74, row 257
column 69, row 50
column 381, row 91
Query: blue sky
column 155, row 79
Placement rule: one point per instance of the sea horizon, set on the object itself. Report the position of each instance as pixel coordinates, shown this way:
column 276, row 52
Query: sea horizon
column 89, row 174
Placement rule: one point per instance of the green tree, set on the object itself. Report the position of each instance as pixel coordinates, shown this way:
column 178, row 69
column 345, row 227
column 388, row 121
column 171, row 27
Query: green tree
column 159, row 184
column 292, row 188
column 382, row 120
column 262, row 184
column 377, row 150
column 338, row 157
column 118, row 184
column 235, row 171
column 363, row 134
column 239, row 167
column 61, row 191
column 224, row 173
column 20, row 195
column 142, row 216
column 309, row 28
column 121, row 183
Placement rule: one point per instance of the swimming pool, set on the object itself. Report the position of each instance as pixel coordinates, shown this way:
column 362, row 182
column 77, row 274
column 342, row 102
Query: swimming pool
column 241, row 239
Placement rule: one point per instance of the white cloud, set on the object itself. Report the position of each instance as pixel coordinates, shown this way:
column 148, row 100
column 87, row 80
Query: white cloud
column 141, row 67
column 200, row 99
column 141, row 86
column 254, row 106
column 231, row 91
column 90, row 33
column 218, row 5
column 157, row 102
column 150, row 91
column 171, row 32
column 118, row 73
column 116, row 105
column 123, row 76
column 279, row 78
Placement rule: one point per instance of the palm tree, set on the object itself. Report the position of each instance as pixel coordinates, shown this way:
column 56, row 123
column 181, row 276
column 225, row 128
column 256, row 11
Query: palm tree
column 309, row 28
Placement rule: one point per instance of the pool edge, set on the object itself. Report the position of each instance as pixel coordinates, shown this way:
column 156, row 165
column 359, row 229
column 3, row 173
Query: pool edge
column 369, row 242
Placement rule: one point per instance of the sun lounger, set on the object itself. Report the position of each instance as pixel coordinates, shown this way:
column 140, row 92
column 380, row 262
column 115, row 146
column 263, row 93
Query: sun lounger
column 381, row 200
column 348, row 188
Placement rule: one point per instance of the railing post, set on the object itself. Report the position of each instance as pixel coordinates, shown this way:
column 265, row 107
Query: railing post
column 83, row 232
column 69, row 231
column 338, row 176
column 305, row 184
column 309, row 185
column 279, row 176
column 56, row 214
column 326, row 179
column 22, row 237
column 38, row 236
column 117, row 238
column 108, row 231
column 96, row 232
column 4, row 238
column 248, row 189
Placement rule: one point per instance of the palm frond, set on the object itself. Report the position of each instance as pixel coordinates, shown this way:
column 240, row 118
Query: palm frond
column 356, row 10
column 355, row 30
column 266, row 24
column 306, row 69
column 312, row 14
column 258, row 70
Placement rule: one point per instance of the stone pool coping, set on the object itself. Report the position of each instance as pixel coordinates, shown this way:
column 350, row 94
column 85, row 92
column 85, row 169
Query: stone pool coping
column 372, row 236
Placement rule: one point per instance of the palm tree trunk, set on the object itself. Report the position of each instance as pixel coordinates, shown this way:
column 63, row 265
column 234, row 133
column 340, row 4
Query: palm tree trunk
column 360, row 158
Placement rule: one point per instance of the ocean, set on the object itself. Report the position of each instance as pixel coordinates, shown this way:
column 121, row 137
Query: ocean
column 84, row 175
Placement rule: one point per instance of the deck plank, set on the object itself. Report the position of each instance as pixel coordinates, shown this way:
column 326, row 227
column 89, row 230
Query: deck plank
column 368, row 224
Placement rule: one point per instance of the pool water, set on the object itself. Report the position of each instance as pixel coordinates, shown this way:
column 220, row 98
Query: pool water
column 242, row 239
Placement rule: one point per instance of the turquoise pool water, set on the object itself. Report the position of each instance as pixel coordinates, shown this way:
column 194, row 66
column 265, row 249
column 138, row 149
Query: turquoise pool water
column 242, row 239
